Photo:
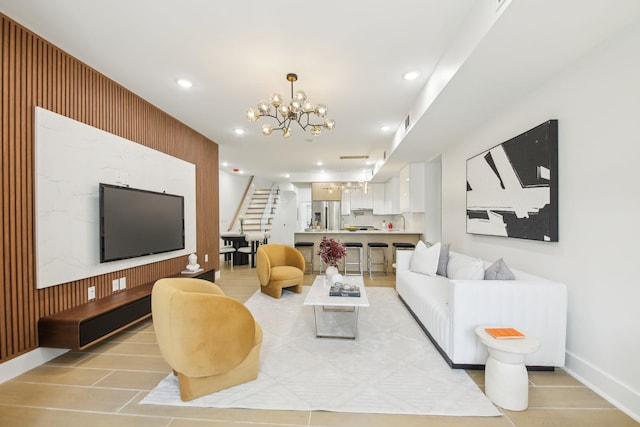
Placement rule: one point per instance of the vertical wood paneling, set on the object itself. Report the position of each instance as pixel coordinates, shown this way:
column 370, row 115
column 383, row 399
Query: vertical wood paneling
column 35, row 73
column 4, row 320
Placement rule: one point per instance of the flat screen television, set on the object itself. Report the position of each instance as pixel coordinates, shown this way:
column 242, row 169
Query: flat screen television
column 135, row 222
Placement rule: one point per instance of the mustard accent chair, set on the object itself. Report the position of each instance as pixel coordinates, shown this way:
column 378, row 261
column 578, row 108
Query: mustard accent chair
column 211, row 341
column 279, row 267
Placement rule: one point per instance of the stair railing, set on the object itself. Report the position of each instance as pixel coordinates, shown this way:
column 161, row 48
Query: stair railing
column 269, row 208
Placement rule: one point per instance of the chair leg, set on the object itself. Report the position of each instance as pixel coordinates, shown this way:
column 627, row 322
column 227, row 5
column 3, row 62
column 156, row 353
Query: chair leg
column 272, row 291
column 254, row 250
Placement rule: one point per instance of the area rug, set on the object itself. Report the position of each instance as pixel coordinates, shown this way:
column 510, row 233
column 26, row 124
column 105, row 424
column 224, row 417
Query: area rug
column 391, row 368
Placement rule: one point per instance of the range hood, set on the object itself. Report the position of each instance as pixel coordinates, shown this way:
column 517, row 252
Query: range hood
column 361, row 211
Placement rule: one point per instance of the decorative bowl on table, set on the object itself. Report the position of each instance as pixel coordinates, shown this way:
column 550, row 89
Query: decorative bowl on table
column 352, row 227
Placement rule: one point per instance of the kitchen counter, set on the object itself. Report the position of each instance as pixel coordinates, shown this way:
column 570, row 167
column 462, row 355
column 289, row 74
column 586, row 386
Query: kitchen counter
column 327, row 232
column 361, row 236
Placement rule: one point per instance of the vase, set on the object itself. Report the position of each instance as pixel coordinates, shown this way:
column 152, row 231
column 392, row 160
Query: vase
column 329, row 273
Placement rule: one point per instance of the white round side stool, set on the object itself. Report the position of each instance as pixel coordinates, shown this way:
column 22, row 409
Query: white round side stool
column 506, row 382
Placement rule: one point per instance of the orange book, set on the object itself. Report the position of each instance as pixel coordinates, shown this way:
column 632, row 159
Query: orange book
column 504, row 333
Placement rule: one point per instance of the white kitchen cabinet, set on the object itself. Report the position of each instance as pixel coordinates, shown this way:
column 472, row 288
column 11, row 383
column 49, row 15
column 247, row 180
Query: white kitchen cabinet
column 392, row 196
column 356, row 198
column 367, row 197
column 412, row 188
column 361, row 199
column 379, row 206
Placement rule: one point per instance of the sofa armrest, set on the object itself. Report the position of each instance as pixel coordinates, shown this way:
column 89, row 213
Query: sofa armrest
column 535, row 308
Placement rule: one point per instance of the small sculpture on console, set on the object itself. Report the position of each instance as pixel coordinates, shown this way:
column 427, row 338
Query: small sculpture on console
column 193, row 265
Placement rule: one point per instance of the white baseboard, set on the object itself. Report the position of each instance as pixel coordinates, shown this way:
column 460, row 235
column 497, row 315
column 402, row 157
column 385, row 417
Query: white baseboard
column 611, row 389
column 23, row 363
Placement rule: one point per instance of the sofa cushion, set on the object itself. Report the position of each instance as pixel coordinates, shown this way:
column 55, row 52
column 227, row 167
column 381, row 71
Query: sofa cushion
column 425, row 259
column 444, row 260
column 499, row 271
column 462, row 267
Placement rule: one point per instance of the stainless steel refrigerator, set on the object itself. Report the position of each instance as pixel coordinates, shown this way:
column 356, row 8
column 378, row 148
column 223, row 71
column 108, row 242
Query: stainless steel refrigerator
column 327, row 214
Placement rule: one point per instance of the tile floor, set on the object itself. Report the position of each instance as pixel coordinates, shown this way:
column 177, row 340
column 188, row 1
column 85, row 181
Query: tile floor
column 103, row 385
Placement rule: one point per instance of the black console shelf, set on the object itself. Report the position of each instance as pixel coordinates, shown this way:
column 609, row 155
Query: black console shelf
column 87, row 324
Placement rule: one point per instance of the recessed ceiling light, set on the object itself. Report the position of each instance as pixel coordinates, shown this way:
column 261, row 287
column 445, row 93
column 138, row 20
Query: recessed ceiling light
column 238, row 131
column 185, row 83
column 411, row 75
column 225, row 164
column 319, row 164
column 385, row 128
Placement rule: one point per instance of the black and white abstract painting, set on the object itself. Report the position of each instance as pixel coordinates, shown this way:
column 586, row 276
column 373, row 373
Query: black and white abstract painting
column 512, row 188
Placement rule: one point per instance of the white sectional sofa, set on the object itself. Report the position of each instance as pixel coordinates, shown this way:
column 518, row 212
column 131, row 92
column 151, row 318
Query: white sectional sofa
column 450, row 310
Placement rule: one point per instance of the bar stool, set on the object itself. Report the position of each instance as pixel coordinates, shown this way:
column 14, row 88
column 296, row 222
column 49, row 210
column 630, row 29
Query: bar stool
column 373, row 247
column 401, row 246
column 353, row 245
column 306, row 246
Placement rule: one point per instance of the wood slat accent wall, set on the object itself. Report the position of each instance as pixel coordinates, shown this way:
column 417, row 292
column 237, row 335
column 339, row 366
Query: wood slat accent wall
column 33, row 73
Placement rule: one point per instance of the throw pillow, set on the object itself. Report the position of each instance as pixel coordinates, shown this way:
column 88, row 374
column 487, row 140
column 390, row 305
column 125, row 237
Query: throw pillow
column 425, row 259
column 473, row 270
column 443, row 261
column 499, row 271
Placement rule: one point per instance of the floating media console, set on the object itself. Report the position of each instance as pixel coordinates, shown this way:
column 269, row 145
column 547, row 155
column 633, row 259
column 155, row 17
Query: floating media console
column 80, row 327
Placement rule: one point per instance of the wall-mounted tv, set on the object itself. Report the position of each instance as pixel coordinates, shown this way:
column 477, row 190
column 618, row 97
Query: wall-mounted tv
column 135, row 222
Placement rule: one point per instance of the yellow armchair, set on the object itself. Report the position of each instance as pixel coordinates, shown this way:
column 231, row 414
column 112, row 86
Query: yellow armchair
column 211, row 341
column 278, row 267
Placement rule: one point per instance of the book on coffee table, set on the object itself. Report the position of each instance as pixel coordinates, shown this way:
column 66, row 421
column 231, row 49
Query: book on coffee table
column 504, row 333
column 340, row 289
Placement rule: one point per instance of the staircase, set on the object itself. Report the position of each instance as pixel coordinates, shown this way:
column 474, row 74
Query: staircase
column 261, row 209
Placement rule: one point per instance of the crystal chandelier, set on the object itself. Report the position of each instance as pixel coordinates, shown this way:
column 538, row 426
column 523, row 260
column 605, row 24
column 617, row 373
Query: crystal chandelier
column 299, row 110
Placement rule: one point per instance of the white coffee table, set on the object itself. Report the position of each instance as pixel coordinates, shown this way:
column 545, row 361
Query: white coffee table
column 336, row 317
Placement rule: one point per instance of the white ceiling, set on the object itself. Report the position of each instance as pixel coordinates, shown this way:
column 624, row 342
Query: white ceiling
column 349, row 55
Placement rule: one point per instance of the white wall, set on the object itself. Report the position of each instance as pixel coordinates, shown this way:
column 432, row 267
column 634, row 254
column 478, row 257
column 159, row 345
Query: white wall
column 71, row 159
column 285, row 219
column 231, row 189
column 597, row 104
column 433, row 200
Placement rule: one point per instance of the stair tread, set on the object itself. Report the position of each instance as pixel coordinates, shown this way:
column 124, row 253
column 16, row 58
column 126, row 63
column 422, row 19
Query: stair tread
column 260, row 211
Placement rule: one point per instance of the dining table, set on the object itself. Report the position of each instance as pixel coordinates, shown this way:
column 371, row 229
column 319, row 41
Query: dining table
column 237, row 240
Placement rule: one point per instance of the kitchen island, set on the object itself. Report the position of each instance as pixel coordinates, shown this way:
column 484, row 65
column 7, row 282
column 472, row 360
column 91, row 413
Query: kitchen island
column 361, row 236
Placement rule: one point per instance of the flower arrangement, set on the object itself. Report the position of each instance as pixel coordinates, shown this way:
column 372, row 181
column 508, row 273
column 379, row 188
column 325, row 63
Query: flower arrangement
column 331, row 251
